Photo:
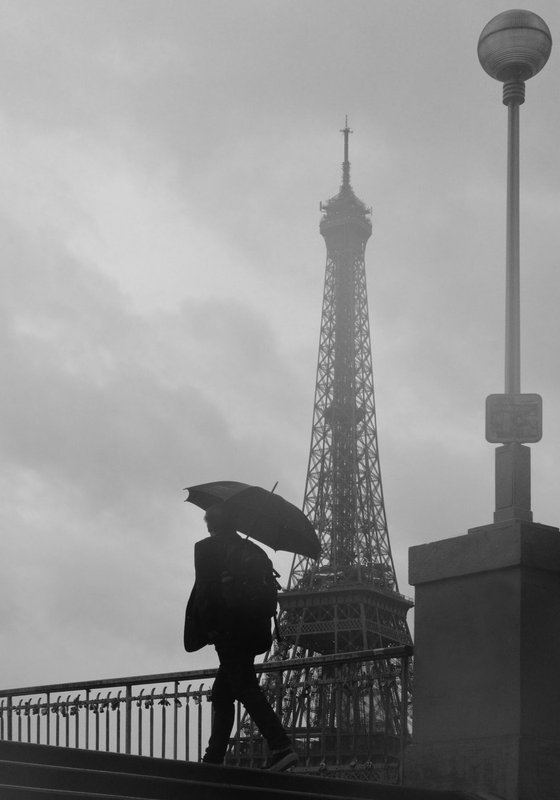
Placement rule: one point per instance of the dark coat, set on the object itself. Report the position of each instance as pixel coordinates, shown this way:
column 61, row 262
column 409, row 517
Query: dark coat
column 207, row 620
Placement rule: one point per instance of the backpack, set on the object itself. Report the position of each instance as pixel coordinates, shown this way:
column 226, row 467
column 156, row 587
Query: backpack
column 249, row 585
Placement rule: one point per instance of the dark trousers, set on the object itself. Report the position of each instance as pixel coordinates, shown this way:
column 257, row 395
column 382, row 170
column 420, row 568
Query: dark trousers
column 237, row 680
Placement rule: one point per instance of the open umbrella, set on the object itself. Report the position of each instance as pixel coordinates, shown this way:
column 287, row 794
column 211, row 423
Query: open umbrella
column 261, row 514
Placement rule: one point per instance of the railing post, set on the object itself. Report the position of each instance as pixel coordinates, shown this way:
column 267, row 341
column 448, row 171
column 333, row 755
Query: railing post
column 128, row 720
column 163, row 703
column 188, row 722
column 175, row 718
column 404, row 715
column 48, row 717
column 10, row 709
column 199, row 723
column 339, row 722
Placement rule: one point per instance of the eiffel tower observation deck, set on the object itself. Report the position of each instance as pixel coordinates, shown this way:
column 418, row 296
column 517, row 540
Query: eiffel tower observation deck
column 348, row 600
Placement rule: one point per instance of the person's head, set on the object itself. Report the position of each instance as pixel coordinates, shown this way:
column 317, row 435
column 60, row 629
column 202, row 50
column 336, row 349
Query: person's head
column 219, row 520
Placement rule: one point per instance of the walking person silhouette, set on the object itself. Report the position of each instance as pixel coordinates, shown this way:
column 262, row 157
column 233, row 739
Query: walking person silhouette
column 237, row 640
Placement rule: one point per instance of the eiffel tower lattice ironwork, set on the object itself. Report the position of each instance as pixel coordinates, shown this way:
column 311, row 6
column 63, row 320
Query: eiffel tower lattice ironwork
column 348, row 600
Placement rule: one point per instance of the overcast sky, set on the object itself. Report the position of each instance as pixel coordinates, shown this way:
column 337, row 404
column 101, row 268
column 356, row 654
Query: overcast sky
column 162, row 164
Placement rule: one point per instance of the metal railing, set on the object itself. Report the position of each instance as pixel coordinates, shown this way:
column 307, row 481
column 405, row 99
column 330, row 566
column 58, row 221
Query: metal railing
column 339, row 702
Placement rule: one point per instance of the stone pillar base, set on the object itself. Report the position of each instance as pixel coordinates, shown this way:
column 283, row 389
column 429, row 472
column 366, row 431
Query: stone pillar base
column 518, row 769
column 487, row 663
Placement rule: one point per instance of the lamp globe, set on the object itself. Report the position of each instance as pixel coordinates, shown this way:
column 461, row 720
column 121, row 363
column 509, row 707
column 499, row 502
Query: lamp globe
column 514, row 45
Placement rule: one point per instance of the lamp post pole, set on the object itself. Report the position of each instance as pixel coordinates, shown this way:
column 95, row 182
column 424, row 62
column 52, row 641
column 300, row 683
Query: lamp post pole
column 513, row 300
column 513, row 47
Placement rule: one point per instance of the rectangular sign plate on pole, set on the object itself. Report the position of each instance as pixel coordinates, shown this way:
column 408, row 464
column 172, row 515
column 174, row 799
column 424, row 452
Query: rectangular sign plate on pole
column 513, row 418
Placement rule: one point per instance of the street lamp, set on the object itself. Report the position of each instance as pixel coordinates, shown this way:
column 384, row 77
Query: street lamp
column 513, row 47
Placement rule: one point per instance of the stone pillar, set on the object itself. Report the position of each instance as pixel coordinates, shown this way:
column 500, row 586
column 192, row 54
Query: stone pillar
column 487, row 662
column 513, row 483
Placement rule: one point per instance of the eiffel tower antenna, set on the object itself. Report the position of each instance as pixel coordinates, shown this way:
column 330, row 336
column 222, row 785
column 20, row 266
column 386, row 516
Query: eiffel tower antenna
column 346, row 163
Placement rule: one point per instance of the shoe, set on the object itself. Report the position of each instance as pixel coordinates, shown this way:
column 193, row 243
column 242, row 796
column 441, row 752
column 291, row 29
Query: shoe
column 281, row 761
column 210, row 760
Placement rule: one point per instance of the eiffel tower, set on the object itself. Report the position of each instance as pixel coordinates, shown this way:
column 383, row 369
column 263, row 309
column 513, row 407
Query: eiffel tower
column 348, row 600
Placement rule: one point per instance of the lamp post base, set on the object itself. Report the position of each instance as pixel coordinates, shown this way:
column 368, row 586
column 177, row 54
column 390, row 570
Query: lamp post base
column 513, row 483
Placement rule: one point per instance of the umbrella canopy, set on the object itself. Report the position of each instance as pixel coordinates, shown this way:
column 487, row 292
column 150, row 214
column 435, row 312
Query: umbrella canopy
column 261, row 514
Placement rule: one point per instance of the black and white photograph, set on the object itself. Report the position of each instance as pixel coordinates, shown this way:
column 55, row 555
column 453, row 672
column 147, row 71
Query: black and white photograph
column 279, row 344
